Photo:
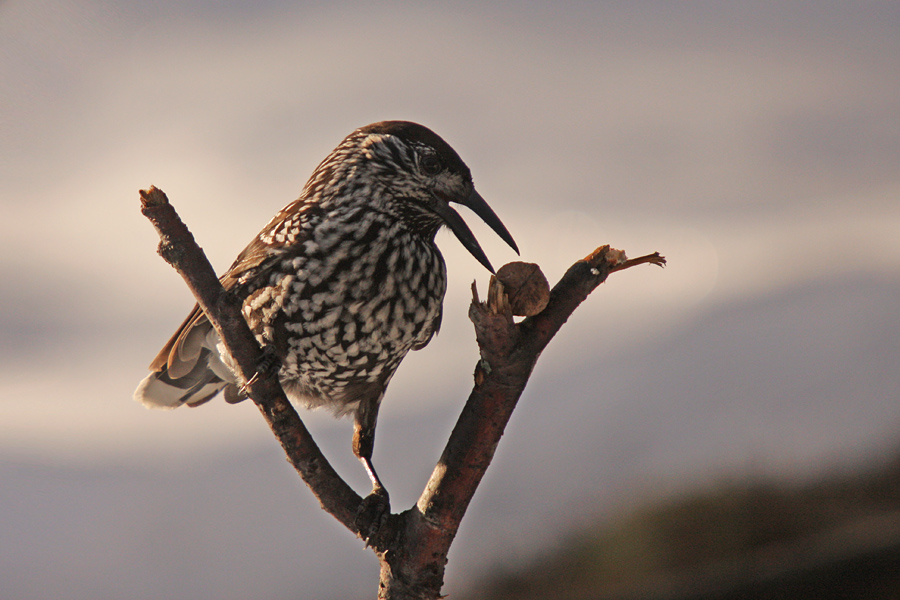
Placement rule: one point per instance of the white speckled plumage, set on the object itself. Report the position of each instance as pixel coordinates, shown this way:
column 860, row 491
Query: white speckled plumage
column 341, row 283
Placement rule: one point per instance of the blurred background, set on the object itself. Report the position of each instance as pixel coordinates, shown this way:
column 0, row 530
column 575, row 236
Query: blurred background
column 755, row 144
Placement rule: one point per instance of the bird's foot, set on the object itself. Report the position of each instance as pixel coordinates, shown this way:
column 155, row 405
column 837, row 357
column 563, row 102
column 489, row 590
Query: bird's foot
column 373, row 513
column 269, row 364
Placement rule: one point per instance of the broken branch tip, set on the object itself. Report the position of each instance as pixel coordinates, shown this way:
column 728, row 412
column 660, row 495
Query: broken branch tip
column 153, row 197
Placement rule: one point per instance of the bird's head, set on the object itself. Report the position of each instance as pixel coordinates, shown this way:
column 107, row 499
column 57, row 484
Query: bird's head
column 422, row 176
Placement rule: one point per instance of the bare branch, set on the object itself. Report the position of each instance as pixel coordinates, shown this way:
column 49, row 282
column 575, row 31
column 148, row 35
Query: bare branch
column 178, row 248
column 413, row 545
column 509, row 352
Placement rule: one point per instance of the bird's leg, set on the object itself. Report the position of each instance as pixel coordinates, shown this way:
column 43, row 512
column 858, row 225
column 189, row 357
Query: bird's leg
column 377, row 486
column 376, row 507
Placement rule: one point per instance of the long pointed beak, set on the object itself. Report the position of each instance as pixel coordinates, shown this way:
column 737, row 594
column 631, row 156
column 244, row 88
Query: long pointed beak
column 481, row 208
column 456, row 224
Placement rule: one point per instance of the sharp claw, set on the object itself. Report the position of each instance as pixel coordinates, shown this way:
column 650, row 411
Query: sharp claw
column 269, row 364
column 372, row 514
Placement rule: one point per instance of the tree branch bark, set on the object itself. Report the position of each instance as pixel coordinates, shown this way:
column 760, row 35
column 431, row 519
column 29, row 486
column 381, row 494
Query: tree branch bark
column 178, row 248
column 413, row 545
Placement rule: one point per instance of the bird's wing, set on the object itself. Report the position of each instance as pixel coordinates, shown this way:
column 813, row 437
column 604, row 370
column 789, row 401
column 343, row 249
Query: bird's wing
column 168, row 358
column 180, row 354
column 433, row 328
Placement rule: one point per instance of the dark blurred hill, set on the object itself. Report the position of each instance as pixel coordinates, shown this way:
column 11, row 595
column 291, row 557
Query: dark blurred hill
column 836, row 537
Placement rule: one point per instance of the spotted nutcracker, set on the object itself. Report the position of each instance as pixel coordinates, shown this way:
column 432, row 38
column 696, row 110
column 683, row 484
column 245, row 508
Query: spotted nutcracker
column 341, row 283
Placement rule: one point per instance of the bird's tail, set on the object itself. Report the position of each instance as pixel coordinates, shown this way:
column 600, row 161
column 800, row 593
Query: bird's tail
column 160, row 390
column 188, row 370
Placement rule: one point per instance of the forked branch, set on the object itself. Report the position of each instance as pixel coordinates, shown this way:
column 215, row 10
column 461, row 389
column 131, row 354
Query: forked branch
column 413, row 545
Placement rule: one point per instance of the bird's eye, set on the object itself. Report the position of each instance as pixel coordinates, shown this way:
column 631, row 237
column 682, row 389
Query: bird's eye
column 431, row 164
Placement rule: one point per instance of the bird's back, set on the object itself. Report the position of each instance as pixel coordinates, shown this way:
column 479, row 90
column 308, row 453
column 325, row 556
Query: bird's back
column 341, row 284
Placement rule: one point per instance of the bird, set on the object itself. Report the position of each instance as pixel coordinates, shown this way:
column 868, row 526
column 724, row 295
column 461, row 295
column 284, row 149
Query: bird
column 341, row 283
